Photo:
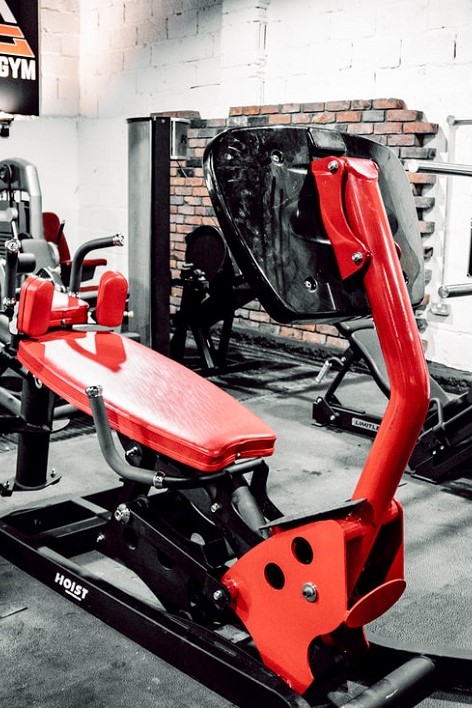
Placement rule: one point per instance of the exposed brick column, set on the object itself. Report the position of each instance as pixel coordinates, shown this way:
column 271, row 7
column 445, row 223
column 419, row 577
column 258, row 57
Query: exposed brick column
column 388, row 121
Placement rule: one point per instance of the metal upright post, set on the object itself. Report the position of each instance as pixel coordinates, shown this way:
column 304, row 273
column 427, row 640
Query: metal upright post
column 160, row 279
column 149, row 227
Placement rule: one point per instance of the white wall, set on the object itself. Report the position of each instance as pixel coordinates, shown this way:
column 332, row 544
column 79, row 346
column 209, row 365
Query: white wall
column 106, row 60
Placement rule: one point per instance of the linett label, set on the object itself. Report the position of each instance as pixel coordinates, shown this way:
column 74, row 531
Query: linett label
column 19, row 61
column 359, row 423
column 78, row 592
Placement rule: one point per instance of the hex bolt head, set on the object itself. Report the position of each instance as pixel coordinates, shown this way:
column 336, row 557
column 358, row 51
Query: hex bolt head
column 122, row 513
column 357, row 257
column 310, row 284
column 333, row 166
column 215, row 507
column 309, row 592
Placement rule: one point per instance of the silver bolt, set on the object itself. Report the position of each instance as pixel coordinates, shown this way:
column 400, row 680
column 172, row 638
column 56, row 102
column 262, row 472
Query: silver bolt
column 101, row 537
column 357, row 257
column 333, row 165
column 218, row 595
column 122, row 513
column 215, row 507
column 309, row 592
column 310, row 284
column 277, row 157
column 133, row 451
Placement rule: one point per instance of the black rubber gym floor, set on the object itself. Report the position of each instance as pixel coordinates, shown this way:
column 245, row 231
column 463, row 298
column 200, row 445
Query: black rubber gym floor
column 56, row 656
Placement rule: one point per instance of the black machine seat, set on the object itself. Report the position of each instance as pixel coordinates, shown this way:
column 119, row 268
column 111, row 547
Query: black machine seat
column 212, row 290
column 362, row 336
column 268, row 207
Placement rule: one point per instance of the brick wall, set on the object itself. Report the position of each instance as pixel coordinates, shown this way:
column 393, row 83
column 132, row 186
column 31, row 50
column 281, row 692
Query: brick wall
column 406, row 132
column 60, row 42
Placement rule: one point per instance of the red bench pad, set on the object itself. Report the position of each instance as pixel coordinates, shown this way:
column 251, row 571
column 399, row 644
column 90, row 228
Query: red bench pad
column 149, row 398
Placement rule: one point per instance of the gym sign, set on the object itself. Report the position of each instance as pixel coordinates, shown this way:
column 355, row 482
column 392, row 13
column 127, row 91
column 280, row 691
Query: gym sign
column 19, row 57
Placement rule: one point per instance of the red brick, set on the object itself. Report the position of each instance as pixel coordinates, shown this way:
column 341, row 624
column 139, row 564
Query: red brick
column 421, row 178
column 290, row 332
column 203, row 211
column 327, row 329
column 274, row 119
column 388, row 103
column 382, row 128
column 192, row 201
column 188, row 181
column 313, row 107
column 423, row 128
column 324, row 117
column 290, row 108
column 402, row 140
column 260, row 316
column 404, row 115
column 216, row 123
column 360, row 128
column 236, row 111
column 313, row 338
column 271, row 108
column 196, row 142
column 251, row 110
column 361, row 104
column 348, row 116
column 301, row 118
column 200, row 191
column 337, row 342
column 193, row 220
column 338, row 105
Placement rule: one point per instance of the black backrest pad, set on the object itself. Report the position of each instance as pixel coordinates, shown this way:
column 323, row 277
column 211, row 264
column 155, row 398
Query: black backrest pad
column 267, row 204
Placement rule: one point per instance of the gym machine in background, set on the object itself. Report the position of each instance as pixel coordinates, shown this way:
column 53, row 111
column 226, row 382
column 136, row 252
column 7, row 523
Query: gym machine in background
column 152, row 142
column 211, row 285
column 20, row 190
column 212, row 290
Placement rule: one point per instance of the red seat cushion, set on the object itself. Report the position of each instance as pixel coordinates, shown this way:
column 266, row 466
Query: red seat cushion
column 111, row 299
column 34, row 309
column 149, row 398
column 42, row 308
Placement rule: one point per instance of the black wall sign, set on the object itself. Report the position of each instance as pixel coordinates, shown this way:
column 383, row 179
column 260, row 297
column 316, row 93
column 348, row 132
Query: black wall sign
column 19, row 57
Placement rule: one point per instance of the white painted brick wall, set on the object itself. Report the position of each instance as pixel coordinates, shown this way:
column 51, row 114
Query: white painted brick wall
column 106, row 60
column 60, row 24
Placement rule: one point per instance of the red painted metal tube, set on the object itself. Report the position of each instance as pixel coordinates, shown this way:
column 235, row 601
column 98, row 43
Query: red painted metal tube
column 351, row 191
